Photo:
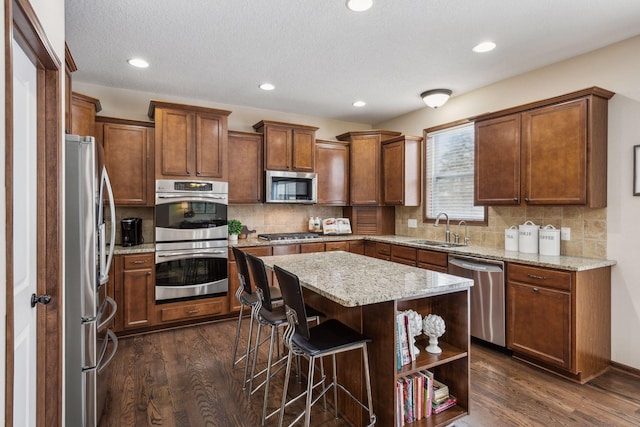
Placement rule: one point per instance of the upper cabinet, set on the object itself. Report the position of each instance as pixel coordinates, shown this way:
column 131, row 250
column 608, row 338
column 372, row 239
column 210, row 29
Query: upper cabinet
column 245, row 182
column 365, row 180
column 288, row 147
column 69, row 67
column 332, row 166
column 552, row 152
column 401, row 170
column 83, row 114
column 129, row 159
column 191, row 142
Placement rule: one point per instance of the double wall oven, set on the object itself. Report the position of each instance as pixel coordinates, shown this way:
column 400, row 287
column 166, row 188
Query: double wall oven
column 191, row 239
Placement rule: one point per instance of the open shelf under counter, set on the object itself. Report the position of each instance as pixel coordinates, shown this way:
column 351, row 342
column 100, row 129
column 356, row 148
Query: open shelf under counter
column 426, row 360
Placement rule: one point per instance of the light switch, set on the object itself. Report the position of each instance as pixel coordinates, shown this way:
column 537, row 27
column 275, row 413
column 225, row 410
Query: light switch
column 565, row 233
column 412, row 223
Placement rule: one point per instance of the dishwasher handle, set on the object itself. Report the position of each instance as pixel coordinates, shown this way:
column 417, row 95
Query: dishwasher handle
column 475, row 266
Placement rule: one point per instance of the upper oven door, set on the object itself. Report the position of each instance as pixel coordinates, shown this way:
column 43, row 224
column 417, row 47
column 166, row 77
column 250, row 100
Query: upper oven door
column 182, row 217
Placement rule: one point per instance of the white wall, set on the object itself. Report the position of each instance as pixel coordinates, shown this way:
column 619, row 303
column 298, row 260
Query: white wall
column 616, row 68
column 132, row 104
column 50, row 13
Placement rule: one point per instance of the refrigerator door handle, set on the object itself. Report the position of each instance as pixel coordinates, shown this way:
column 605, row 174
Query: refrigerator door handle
column 108, row 302
column 106, row 265
column 103, row 363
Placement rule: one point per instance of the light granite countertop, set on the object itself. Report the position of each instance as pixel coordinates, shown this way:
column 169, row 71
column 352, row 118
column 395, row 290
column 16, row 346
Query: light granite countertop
column 568, row 263
column 353, row 280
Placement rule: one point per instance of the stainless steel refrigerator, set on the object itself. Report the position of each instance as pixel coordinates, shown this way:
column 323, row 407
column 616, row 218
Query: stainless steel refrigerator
column 89, row 343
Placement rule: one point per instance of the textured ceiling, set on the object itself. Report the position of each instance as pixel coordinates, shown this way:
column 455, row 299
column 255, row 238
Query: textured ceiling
column 322, row 57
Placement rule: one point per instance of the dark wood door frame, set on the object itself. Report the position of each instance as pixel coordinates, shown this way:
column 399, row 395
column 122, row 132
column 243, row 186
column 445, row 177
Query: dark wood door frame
column 22, row 24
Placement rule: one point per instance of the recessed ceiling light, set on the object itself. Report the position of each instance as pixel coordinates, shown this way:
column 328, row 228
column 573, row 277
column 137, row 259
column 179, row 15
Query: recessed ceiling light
column 359, row 5
column 484, row 47
column 138, row 62
column 359, row 104
column 267, row 86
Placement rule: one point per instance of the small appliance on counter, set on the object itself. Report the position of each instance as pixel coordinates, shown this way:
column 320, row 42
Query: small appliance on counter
column 131, row 231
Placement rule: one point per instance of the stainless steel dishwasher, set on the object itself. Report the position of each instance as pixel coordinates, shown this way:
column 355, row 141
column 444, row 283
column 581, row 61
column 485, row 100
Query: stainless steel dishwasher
column 487, row 296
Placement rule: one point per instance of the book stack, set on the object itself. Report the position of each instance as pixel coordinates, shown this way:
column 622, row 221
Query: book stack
column 442, row 399
column 404, row 354
column 419, row 396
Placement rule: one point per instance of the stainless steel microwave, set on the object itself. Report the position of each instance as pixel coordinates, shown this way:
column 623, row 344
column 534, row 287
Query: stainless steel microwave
column 291, row 187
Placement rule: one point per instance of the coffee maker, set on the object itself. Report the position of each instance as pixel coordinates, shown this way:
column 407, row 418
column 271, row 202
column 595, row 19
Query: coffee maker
column 131, row 231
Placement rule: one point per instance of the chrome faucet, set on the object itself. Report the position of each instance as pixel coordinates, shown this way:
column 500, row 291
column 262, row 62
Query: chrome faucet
column 466, row 232
column 447, row 232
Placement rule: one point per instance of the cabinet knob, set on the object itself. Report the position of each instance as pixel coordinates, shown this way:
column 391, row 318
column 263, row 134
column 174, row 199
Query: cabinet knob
column 515, row 199
column 526, row 199
column 192, row 311
column 533, row 276
column 536, row 290
column 139, row 262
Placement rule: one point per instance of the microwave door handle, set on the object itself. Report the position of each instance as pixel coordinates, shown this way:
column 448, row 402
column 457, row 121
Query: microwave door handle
column 105, row 266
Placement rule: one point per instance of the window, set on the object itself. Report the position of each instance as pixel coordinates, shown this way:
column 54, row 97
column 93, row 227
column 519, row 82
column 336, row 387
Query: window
column 449, row 183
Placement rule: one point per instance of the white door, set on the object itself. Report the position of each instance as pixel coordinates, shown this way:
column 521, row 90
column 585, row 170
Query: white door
column 25, row 237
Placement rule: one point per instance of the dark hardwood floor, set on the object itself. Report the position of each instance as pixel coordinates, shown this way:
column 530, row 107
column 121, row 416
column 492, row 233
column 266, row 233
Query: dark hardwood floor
column 184, row 378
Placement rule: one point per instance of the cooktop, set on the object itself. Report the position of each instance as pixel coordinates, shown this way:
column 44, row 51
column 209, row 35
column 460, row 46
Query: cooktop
column 287, row 236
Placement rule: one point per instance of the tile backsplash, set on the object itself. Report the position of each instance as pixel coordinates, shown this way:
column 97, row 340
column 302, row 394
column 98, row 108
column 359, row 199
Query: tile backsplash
column 280, row 218
column 588, row 227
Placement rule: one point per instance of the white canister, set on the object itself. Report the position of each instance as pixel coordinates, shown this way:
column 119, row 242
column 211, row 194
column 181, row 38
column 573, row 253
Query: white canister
column 528, row 237
column 549, row 241
column 511, row 239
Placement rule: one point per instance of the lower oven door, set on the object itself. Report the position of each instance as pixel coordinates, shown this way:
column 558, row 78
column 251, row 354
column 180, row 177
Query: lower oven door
column 191, row 270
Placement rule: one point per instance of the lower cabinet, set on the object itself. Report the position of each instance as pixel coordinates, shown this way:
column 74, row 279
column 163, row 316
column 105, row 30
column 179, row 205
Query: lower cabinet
column 181, row 311
column 432, row 260
column 135, row 290
column 560, row 320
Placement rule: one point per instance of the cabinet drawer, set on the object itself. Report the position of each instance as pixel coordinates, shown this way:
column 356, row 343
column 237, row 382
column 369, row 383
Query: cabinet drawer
column 138, row 261
column 539, row 276
column 192, row 311
column 403, row 255
column 336, row 246
column 285, row 250
column 433, row 258
column 253, row 250
column 383, row 249
column 306, row 248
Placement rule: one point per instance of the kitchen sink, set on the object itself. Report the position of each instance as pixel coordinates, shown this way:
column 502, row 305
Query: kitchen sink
column 436, row 244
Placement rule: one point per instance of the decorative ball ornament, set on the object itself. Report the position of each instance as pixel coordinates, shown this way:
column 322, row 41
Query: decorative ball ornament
column 415, row 327
column 433, row 326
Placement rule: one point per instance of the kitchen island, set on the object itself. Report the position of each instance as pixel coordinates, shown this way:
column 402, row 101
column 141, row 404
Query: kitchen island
column 366, row 293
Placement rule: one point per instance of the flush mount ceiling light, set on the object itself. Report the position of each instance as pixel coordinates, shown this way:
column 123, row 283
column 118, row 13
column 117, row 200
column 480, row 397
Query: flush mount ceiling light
column 138, row 62
column 484, row 47
column 267, row 86
column 436, row 97
column 359, row 5
column 359, row 104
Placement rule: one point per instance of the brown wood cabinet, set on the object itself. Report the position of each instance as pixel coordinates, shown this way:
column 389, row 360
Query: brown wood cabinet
column 128, row 156
column 191, row 142
column 365, row 170
column 245, row 164
column 336, row 246
column 551, row 152
column 306, row 248
column 332, row 167
column 69, row 67
column 356, row 246
column 287, row 146
column 371, row 220
column 135, row 290
column 83, row 114
column 560, row 320
column 403, row 255
column 432, row 260
column 401, row 160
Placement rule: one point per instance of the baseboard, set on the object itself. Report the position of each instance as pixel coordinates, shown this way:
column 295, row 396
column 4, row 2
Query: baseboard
column 625, row 368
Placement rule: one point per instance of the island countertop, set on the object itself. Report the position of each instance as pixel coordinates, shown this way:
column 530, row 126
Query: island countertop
column 353, row 280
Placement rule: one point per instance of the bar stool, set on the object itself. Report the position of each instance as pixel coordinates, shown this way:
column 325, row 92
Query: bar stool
column 326, row 339
column 267, row 315
column 247, row 298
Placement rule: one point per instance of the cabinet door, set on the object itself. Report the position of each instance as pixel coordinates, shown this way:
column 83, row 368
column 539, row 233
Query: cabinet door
column 365, row 170
column 245, row 164
column 277, row 154
column 539, row 323
column 211, row 146
column 303, row 150
column 332, row 167
column 128, row 158
column 137, row 287
column 554, row 143
column 83, row 115
column 174, row 153
column 356, row 247
column 497, row 161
